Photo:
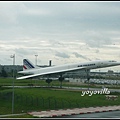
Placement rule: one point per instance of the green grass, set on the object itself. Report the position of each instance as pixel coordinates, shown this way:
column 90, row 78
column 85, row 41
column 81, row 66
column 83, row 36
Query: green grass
column 37, row 99
column 70, row 99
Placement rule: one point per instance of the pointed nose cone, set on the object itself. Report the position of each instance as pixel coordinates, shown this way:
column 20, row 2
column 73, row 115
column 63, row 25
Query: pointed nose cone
column 114, row 63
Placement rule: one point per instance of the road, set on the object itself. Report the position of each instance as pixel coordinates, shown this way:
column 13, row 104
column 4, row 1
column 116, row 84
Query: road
column 64, row 87
column 112, row 114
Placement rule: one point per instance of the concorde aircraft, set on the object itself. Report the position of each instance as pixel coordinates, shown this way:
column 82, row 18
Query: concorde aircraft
column 34, row 71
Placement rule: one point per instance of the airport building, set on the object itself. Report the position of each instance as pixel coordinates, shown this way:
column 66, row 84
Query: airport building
column 10, row 68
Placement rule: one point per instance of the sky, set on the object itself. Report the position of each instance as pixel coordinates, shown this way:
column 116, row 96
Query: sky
column 64, row 32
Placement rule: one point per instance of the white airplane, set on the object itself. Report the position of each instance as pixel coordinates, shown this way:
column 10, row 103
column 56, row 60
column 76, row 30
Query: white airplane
column 37, row 71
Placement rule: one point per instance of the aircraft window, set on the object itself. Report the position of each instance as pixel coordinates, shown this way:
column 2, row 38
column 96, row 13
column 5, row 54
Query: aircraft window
column 79, row 65
column 112, row 61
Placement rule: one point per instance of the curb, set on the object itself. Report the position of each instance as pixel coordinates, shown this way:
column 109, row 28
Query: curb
column 74, row 111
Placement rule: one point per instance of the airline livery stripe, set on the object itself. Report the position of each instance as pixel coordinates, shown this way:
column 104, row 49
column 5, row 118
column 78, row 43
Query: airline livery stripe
column 28, row 64
column 24, row 67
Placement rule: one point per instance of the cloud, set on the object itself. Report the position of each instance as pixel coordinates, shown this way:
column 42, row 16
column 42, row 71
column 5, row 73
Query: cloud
column 61, row 31
column 81, row 56
column 9, row 12
column 62, row 55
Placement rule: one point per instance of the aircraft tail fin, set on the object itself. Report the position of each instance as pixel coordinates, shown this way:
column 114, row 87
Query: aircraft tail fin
column 27, row 65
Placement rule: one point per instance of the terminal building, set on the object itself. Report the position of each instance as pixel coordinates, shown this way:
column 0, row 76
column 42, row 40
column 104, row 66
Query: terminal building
column 10, row 68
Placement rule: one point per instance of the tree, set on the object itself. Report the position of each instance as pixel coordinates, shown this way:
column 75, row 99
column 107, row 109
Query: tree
column 3, row 72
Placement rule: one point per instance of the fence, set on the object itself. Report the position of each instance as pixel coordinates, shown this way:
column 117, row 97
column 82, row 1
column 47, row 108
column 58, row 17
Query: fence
column 29, row 103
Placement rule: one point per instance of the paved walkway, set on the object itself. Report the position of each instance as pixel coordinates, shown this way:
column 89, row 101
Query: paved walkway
column 8, row 115
column 75, row 111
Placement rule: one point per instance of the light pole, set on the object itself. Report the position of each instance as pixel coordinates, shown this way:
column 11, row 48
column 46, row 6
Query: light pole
column 36, row 65
column 36, row 59
column 13, row 56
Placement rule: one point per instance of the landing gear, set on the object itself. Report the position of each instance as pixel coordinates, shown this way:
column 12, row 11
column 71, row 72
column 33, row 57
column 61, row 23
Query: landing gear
column 48, row 81
column 61, row 78
column 88, row 76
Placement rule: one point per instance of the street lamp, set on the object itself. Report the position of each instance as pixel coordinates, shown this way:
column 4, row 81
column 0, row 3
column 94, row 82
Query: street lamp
column 36, row 65
column 36, row 59
column 13, row 56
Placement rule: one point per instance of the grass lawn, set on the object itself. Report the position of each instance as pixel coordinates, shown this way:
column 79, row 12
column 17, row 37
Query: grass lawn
column 37, row 99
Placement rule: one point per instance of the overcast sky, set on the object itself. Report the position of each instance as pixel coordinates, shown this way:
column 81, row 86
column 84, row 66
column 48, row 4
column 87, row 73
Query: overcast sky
column 64, row 32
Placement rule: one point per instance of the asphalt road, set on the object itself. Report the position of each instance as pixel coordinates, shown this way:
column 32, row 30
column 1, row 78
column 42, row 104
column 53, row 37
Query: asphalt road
column 112, row 114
